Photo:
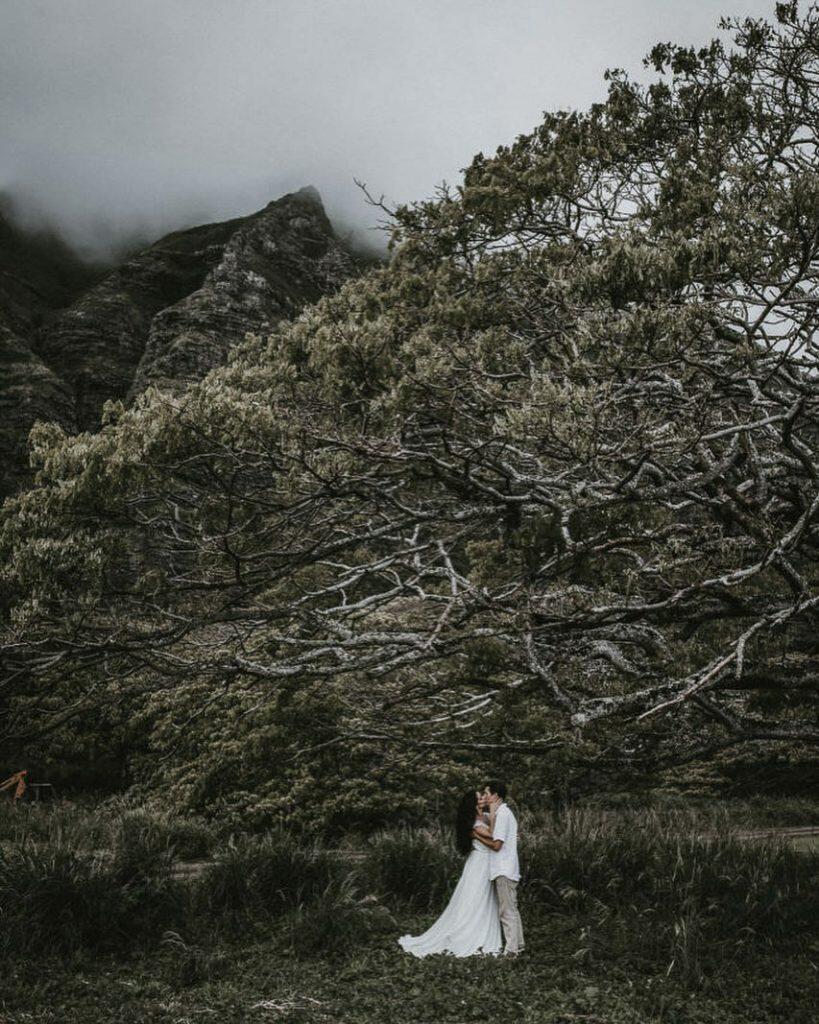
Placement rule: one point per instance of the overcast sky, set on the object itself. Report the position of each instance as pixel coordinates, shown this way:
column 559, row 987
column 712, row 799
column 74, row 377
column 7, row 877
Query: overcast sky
column 138, row 116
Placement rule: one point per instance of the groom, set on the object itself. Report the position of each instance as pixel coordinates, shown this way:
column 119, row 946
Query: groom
column 504, row 870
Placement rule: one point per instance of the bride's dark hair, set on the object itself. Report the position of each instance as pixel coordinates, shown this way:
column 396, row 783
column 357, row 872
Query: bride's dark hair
column 464, row 820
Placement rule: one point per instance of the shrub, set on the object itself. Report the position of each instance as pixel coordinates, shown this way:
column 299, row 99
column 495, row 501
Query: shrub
column 140, row 848
column 414, row 866
column 158, row 835
column 54, row 900
column 191, row 838
column 337, row 920
column 264, row 876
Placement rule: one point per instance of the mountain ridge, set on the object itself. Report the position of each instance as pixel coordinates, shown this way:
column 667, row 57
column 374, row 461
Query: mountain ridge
column 73, row 336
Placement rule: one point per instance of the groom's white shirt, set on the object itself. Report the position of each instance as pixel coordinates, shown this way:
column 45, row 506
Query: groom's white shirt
column 505, row 860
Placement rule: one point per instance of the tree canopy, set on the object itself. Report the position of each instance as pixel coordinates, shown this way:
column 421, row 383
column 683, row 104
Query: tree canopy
column 559, row 454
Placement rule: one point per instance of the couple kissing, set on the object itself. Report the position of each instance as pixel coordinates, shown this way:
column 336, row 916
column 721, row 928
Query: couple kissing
column 484, row 902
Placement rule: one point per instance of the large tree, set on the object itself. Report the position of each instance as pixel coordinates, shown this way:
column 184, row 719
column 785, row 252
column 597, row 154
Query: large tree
column 559, row 455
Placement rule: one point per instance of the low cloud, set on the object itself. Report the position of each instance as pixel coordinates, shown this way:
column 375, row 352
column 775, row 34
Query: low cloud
column 124, row 119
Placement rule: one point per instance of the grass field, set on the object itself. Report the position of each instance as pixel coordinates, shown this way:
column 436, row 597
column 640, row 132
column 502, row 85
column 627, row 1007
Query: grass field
column 632, row 917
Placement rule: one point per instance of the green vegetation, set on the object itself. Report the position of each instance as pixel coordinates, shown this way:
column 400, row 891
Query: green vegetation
column 540, row 492
column 633, row 916
column 412, row 867
column 265, row 877
column 539, row 498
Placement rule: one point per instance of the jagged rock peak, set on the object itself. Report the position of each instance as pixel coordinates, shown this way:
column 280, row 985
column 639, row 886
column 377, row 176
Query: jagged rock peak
column 276, row 261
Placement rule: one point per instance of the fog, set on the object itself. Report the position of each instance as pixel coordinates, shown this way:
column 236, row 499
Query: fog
column 123, row 120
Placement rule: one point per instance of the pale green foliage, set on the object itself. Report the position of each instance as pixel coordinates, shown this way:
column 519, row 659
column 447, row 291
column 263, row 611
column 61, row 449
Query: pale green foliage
column 550, row 470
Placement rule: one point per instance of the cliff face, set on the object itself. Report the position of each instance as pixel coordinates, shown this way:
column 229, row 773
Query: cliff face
column 273, row 263
column 70, row 339
column 96, row 343
column 37, row 275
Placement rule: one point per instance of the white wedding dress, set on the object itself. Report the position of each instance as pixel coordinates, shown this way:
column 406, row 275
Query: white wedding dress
column 470, row 923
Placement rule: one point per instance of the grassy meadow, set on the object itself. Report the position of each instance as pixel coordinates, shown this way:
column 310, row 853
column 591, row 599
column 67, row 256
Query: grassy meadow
column 115, row 913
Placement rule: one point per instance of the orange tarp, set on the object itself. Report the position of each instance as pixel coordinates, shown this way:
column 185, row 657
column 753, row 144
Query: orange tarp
column 18, row 780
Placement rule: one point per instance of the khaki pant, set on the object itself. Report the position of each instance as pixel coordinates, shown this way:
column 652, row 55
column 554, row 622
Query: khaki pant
column 506, row 891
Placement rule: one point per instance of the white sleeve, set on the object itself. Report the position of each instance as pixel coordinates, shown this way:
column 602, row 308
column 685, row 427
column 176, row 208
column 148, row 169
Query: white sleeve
column 502, row 825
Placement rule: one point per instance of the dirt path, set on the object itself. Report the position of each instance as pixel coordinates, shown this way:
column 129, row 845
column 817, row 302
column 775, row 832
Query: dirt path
column 802, row 837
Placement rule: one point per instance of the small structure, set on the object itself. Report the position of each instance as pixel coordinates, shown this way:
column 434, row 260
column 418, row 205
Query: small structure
column 42, row 791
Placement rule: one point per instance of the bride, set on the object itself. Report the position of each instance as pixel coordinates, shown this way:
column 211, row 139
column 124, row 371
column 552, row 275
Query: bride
column 470, row 922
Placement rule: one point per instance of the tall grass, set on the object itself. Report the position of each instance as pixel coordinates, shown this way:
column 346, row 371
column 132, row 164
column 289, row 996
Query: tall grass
column 91, row 827
column 664, row 890
column 416, row 867
column 54, row 900
column 655, row 888
column 78, row 878
column 264, row 876
column 336, row 921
